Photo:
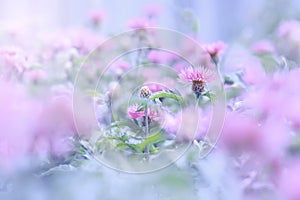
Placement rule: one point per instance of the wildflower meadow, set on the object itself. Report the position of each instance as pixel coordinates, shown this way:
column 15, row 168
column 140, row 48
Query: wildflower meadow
column 150, row 100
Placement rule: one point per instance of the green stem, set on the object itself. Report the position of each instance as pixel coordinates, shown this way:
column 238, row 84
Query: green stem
column 147, row 130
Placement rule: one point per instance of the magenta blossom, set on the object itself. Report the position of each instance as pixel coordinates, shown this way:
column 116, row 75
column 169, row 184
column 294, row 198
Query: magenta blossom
column 198, row 76
column 134, row 112
column 215, row 48
column 191, row 74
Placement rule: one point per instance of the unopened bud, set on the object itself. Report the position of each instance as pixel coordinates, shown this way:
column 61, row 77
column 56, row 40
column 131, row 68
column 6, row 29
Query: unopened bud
column 145, row 92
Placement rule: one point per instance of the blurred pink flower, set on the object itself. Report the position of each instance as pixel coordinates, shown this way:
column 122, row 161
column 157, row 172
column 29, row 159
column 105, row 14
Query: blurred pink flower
column 156, row 87
column 97, row 16
column 289, row 180
column 170, row 122
column 288, row 27
column 192, row 125
column 66, row 40
column 253, row 72
column 240, row 130
column 274, row 138
column 120, row 66
column 263, row 46
column 13, row 61
column 215, row 48
column 16, row 126
column 55, row 125
column 140, row 23
column 35, row 74
column 269, row 96
column 134, row 113
column 251, row 66
column 153, row 9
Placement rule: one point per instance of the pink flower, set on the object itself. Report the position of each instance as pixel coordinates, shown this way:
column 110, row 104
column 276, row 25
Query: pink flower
column 263, row 46
column 120, row 66
column 170, row 122
column 35, row 74
column 288, row 27
column 156, row 87
column 55, row 125
column 13, row 60
column 67, row 40
column 253, row 71
column 239, row 130
column 17, row 120
column 274, row 138
column 289, row 180
column 192, row 125
column 198, row 76
column 140, row 23
column 215, row 48
column 134, row 113
column 97, row 16
column 191, row 74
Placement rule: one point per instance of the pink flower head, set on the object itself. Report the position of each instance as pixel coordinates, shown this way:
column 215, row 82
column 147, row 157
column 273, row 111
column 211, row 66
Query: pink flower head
column 139, row 23
column 14, row 60
column 215, row 48
column 170, row 122
column 156, row 87
column 287, row 28
column 35, row 75
column 97, row 16
column 134, row 112
column 120, row 66
column 191, row 74
column 263, row 46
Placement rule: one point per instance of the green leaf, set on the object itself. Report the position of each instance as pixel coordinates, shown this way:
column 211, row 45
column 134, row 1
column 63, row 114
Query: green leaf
column 166, row 94
column 117, row 124
column 210, row 95
column 150, row 140
column 121, row 145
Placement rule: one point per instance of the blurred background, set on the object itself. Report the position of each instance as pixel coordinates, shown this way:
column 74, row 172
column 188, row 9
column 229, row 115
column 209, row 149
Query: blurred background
column 216, row 20
column 46, row 51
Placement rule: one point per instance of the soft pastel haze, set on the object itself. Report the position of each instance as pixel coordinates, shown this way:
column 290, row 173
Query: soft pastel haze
column 64, row 111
